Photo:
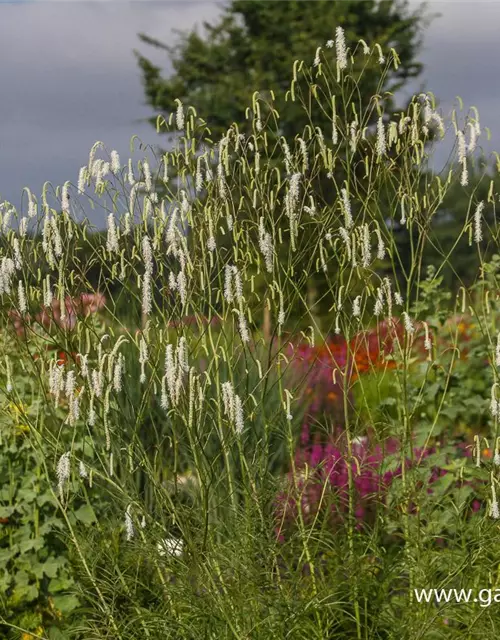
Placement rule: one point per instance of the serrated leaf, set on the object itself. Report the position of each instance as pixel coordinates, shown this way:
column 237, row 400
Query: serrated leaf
column 60, row 584
column 65, row 603
column 31, row 543
column 86, row 514
column 24, row 593
column 6, row 512
column 26, row 495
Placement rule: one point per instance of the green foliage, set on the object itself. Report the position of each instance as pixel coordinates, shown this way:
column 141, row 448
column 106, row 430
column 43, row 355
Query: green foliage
column 253, row 46
column 201, row 491
column 35, row 579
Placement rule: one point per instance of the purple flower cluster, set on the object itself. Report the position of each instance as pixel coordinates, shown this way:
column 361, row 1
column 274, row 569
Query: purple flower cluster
column 319, row 482
column 322, row 481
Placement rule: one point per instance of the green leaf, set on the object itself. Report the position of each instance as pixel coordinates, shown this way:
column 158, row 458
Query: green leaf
column 60, row 584
column 66, row 603
column 6, row 512
column 56, row 634
column 8, row 554
column 24, row 593
column 86, row 514
column 442, row 484
column 45, row 498
column 50, row 567
column 50, row 524
column 31, row 543
column 26, row 495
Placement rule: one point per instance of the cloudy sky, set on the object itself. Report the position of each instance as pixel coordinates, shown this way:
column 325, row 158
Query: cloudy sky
column 68, row 77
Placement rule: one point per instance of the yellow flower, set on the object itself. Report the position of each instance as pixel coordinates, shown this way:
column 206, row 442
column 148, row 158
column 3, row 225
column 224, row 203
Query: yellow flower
column 38, row 633
column 22, row 428
column 16, row 410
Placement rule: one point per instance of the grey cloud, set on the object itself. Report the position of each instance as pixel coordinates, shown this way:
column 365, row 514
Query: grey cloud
column 69, row 77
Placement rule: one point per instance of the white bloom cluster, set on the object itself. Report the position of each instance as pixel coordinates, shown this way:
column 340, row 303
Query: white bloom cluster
column 199, row 175
column 174, row 240
column 242, row 323
column 356, row 307
column 18, row 260
column 99, row 171
column 346, row 207
column 51, row 240
column 118, row 370
column 32, row 206
column 381, row 141
column 83, row 175
column 97, row 380
column 211, row 243
column 494, row 510
column 431, row 115
column 341, row 48
column 366, row 252
column 23, row 226
column 65, row 198
column 56, row 380
column 303, row 151
column 281, row 313
column 266, row 246
column 478, row 232
column 130, row 173
column 147, row 176
column 233, row 287
column 381, row 245
column 69, row 388
column 47, row 292
column 129, row 525
column 21, row 294
column 143, row 358
column 317, row 58
column 233, row 407
column 293, row 195
column 112, row 237
column 63, row 471
column 311, row 209
column 115, row 162
column 379, row 302
column 387, row 288
column 462, row 149
column 147, row 255
column 176, row 369
column 494, row 403
column 408, row 323
column 179, row 116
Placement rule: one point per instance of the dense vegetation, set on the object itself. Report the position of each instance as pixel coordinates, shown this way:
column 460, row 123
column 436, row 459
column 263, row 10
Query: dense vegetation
column 192, row 447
